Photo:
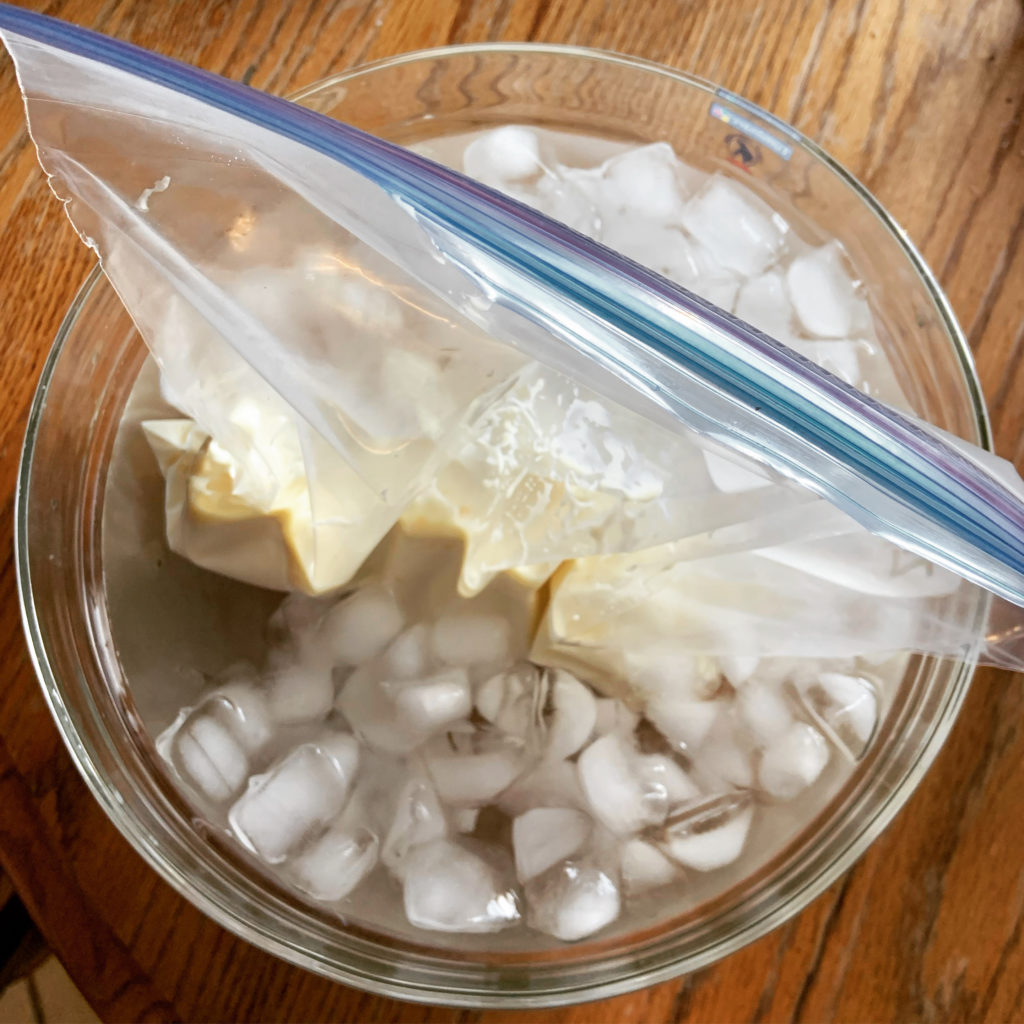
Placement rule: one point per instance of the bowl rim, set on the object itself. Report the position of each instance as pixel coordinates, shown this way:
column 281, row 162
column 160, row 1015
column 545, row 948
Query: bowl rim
column 624, row 981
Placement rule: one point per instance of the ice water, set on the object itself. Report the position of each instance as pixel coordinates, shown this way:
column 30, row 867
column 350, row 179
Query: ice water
column 496, row 729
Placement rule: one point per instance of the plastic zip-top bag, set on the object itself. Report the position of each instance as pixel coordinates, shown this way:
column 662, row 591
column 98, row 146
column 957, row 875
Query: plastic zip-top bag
column 355, row 334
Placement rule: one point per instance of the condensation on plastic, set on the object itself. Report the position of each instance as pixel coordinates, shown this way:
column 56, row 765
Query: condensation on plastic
column 263, row 249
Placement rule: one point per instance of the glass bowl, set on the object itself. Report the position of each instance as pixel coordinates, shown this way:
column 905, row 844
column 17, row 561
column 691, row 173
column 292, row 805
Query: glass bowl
column 63, row 489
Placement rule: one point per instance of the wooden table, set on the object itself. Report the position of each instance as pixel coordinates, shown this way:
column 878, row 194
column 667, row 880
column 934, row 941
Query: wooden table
column 923, row 101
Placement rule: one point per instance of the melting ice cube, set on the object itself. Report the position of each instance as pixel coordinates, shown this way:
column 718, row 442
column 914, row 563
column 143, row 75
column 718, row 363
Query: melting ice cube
column 573, row 715
column 544, row 836
column 764, row 711
column 399, row 715
column 661, row 772
column 450, row 889
column 361, row 625
column 570, row 201
column 613, row 716
column 471, row 780
column 844, row 706
column 471, row 638
column 300, row 692
column 298, row 796
column 645, row 867
column 709, row 833
column 644, row 182
column 370, row 712
column 572, row 900
column 408, row 655
column 792, row 761
column 738, row 668
column 465, row 818
column 508, row 153
column 764, row 303
column 206, row 754
column 211, row 746
column 616, row 789
column 421, row 708
column 822, row 292
column 332, row 866
column 418, row 819
column 739, row 229
column 725, row 757
column 513, row 700
column 242, row 707
column 549, row 784
column 685, row 723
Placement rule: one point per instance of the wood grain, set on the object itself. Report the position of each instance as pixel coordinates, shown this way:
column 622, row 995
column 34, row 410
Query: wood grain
column 921, row 99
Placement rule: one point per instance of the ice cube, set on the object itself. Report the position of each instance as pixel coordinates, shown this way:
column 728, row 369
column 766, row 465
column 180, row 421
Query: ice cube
column 465, row 818
column 513, row 700
column 572, row 900
column 361, row 625
column 549, row 784
column 736, row 227
column 725, row 756
column 419, row 818
column 672, row 675
column 544, row 836
column 763, row 303
column 492, row 696
column 470, row 638
column 296, row 797
column 370, row 712
column 450, row 889
column 300, row 692
column 844, row 706
column 738, row 668
column 242, row 708
column 508, row 153
column 709, row 833
column 793, row 761
column 422, row 708
column 764, row 711
column 573, row 715
column 332, row 866
column 407, row 657
column 208, row 757
column 690, row 264
column 645, row 867
column 661, row 771
column 616, row 790
column 685, row 723
column 398, row 716
column 296, row 616
column 643, row 182
column 567, row 200
column 663, row 250
column 822, row 292
column 612, row 715
column 471, row 780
